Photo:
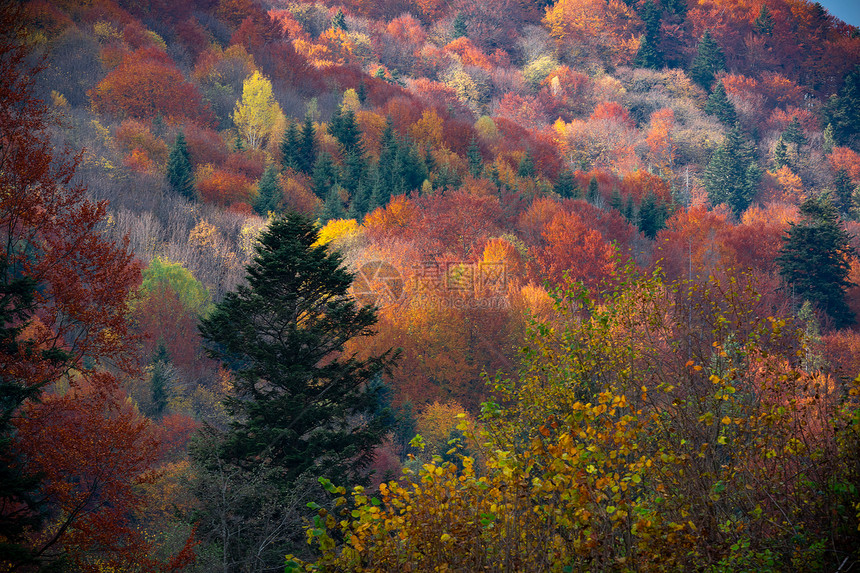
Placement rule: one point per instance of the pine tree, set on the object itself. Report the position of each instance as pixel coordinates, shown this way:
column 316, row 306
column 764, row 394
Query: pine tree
column 649, row 54
column 615, row 201
column 359, row 204
column 815, row 259
column 268, row 193
column 593, row 190
column 306, row 155
column 324, row 175
column 299, row 402
column 652, row 216
column 290, row 147
column 333, row 206
column 794, row 134
column 732, row 176
column 708, row 61
column 459, row 26
column 476, row 160
column 719, row 105
column 159, row 379
column 180, row 176
column 842, row 190
column 764, row 22
column 843, row 111
column 338, row 21
column 566, row 186
column 780, row 154
column 361, row 92
column 526, row 167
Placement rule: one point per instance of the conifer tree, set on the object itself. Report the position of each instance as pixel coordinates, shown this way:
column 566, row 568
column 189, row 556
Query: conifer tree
column 268, row 193
column 290, row 147
column 764, row 22
column 780, row 154
column 306, row 155
column 476, row 160
column 815, row 259
column 324, row 175
column 649, row 54
column 708, row 61
column 593, row 190
column 332, row 208
column 526, row 167
column 338, row 21
column 842, row 190
column 732, row 176
column 180, row 176
column 652, row 215
column 459, row 26
column 842, row 111
column 159, row 379
column 566, row 186
column 299, row 402
column 719, row 105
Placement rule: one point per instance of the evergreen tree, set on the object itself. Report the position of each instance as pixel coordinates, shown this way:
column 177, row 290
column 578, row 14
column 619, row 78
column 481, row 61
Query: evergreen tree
column 593, row 190
column 476, row 160
column 615, row 201
column 827, row 140
column 719, row 105
column 842, row 190
column 361, row 92
column 180, row 176
column 338, row 21
column 649, row 54
column 732, row 176
column 268, row 192
column 566, row 186
column 290, row 147
column 652, row 216
column 794, row 134
column 299, row 402
column 19, row 489
column 526, row 167
column 333, row 206
column 815, row 259
column 306, row 155
column 764, row 22
column 359, row 204
column 708, row 61
column 159, row 380
column 344, row 128
column 677, row 7
column 459, row 26
column 843, row 111
column 354, row 167
column 324, row 175
column 780, row 154
column 629, row 209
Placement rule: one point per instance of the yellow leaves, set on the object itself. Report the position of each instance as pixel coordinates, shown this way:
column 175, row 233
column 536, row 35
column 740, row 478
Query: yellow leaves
column 257, row 112
column 726, row 420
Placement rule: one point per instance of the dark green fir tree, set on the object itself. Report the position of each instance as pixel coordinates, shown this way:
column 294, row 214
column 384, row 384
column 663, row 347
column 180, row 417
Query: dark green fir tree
column 180, row 176
column 649, row 54
column 268, row 193
column 299, row 401
column 459, row 26
column 324, row 175
column 842, row 111
column 593, row 190
column 526, row 167
column 338, row 21
column 332, row 208
column 720, row 107
column 290, row 147
column 306, row 155
column 732, row 176
column 708, row 61
column 815, row 259
column 566, row 186
column 780, row 154
column 764, row 22
column 475, row 159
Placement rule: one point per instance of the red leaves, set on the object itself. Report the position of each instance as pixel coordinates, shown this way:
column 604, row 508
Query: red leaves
column 145, row 84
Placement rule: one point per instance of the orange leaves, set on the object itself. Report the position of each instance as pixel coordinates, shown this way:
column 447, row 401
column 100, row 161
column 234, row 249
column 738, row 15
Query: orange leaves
column 847, row 159
column 661, row 148
column 594, row 27
column 574, row 252
column 146, row 84
column 223, row 187
column 390, row 219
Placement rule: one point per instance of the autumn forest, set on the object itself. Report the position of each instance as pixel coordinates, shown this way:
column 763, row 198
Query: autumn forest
column 429, row 285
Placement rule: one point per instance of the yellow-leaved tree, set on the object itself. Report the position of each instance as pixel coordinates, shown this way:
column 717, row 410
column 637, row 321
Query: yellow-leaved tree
column 257, row 113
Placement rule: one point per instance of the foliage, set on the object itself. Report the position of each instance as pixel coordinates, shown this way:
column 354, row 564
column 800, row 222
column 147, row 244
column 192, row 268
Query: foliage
column 732, row 175
column 639, row 435
column 814, row 259
column 257, row 111
column 180, row 176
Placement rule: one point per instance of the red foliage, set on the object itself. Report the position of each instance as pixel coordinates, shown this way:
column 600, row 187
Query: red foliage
column 251, row 163
column 204, row 145
column 469, row 54
column 693, row 242
column 454, row 224
column 612, row 111
column 847, row 159
column 161, row 318
column 526, row 111
column 640, row 183
column 406, row 29
column 223, row 188
column 145, row 84
column 173, row 433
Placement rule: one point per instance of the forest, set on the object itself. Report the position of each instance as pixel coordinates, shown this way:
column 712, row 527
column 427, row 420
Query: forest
column 429, row 285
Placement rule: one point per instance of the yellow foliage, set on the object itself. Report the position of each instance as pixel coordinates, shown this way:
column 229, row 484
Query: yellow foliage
column 336, row 230
column 257, row 112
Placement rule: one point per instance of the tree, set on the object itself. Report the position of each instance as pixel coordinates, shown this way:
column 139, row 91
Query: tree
column 458, row 27
column 649, row 54
column 290, row 147
column 708, row 61
column 298, row 400
column 268, row 192
column 719, row 105
column 306, row 154
column 732, row 175
column 338, row 21
column 180, row 175
column 815, row 259
column 257, row 111
column 842, row 111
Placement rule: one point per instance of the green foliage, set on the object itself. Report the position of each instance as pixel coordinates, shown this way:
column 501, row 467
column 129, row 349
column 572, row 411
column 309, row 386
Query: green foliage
column 815, row 259
column 290, row 147
column 780, row 154
column 343, row 127
column 649, row 54
column 338, row 21
column 842, row 111
column 306, row 154
column 333, row 206
column 459, row 26
column 708, row 61
column 719, row 106
column 732, row 175
column 162, row 273
column 324, row 175
column 764, row 22
column 475, row 159
column 297, row 400
column 180, row 176
column 652, row 215
column 566, row 186
column 268, row 193
column 526, row 167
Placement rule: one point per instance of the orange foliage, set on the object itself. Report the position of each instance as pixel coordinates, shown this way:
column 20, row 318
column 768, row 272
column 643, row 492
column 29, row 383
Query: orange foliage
column 204, row 145
column 525, row 111
column 693, row 243
column 640, row 183
column 500, row 251
column 145, row 84
column 427, row 131
column 661, row 148
column 145, row 151
column 595, row 27
column 406, row 29
column 469, row 54
column 223, row 188
column 847, row 159
column 574, row 252
column 391, row 219
column 790, row 186
column 298, row 196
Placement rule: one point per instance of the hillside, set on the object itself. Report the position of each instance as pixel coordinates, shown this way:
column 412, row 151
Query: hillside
column 615, row 242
